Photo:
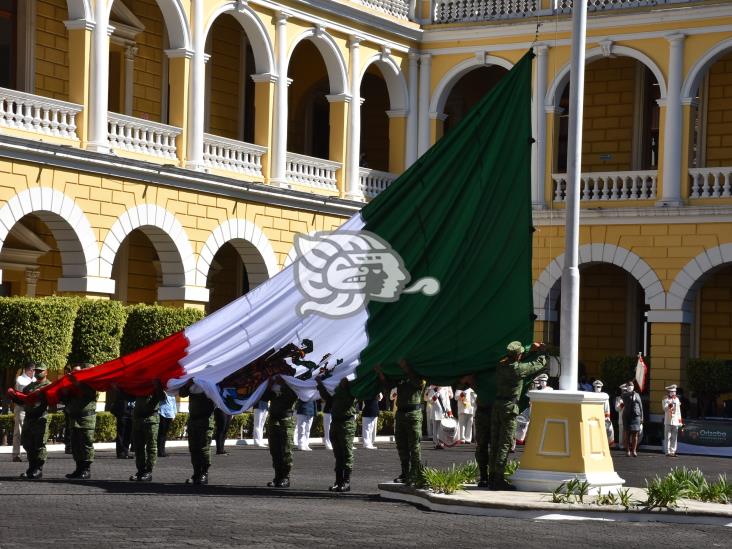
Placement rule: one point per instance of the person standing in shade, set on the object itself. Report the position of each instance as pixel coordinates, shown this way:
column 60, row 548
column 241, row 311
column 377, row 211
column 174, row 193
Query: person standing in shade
column 407, row 421
column 261, row 410
column 23, row 380
column 510, row 375
column 34, row 432
column 305, row 412
column 81, row 411
column 429, row 412
column 280, row 430
column 222, row 420
column 632, row 419
column 342, row 431
column 619, row 409
column 168, row 410
column 369, row 421
column 671, row 421
column 200, row 430
column 466, row 410
column 122, row 409
column 145, row 424
column 597, row 385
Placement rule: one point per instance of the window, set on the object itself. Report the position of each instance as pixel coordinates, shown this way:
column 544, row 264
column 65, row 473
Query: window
column 8, row 42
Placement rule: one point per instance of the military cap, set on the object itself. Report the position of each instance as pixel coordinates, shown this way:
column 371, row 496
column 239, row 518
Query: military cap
column 39, row 367
column 515, row 348
column 597, row 383
column 542, row 377
column 671, row 388
column 623, row 386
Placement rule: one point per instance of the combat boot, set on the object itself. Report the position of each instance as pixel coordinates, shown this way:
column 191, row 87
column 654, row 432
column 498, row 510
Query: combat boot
column 503, row 485
column 76, row 473
column 85, row 473
column 145, row 477
column 485, row 478
column 345, row 485
column 203, row 477
column 37, row 472
column 196, row 475
column 338, row 481
column 283, row 483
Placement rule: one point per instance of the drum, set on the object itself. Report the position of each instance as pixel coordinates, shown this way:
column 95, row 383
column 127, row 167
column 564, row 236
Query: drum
column 522, row 427
column 448, row 434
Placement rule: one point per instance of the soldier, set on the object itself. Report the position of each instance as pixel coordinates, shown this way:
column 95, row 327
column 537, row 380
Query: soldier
column 21, row 382
column 81, row 411
column 122, row 409
column 671, row 421
column 35, row 424
column 510, row 373
column 280, row 430
column 145, row 423
column 342, row 430
column 597, row 385
column 439, row 400
column 482, row 384
column 466, row 408
column 222, row 420
column 168, row 410
column 408, row 422
column 200, row 431
column 369, row 421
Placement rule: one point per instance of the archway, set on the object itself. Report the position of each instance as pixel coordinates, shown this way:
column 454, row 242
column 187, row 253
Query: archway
column 137, row 268
column 375, row 143
column 467, row 91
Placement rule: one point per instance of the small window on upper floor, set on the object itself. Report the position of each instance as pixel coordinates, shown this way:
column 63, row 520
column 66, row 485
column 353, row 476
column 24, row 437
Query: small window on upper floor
column 8, row 42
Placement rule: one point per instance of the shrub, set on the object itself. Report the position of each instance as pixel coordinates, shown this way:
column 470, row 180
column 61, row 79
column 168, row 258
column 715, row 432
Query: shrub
column 106, row 428
column 38, row 329
column 385, row 423
column 616, row 370
column 448, row 481
column 178, row 426
column 709, row 378
column 241, row 424
column 6, row 425
column 56, row 426
column 664, row 492
column 97, row 331
column 148, row 324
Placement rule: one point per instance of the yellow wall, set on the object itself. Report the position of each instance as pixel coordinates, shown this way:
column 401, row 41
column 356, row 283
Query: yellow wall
column 715, row 334
column 719, row 114
column 147, row 102
column 225, row 64
column 52, row 50
column 142, row 276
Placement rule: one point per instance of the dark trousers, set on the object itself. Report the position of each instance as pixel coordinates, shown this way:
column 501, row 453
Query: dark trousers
column 165, row 423
column 222, row 421
column 124, row 434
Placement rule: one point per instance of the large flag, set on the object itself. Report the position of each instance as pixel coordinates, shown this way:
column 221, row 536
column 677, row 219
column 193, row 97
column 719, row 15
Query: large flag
column 436, row 270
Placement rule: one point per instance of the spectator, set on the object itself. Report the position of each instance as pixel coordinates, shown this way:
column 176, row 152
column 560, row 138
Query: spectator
column 466, row 399
column 168, row 409
column 632, row 419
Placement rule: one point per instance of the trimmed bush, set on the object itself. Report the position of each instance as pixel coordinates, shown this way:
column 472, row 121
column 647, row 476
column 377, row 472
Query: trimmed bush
column 385, row 423
column 97, row 331
column 148, row 324
column 708, row 378
column 616, row 370
column 38, row 329
column 106, row 429
column 178, row 426
column 241, row 424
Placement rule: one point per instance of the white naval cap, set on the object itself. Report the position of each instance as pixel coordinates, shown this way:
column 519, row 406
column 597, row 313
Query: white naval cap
column 597, row 383
column 671, row 388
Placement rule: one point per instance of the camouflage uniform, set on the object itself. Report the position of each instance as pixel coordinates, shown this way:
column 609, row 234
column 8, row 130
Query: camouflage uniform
column 200, row 432
column 509, row 385
column 34, row 434
column 342, row 430
column 484, row 391
column 280, row 432
column 408, row 428
column 145, row 423
column 81, row 411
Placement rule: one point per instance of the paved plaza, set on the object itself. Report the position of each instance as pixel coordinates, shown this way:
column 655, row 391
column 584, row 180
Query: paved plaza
column 237, row 510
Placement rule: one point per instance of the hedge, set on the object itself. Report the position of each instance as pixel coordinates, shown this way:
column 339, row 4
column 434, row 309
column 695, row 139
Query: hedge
column 709, row 377
column 147, row 324
column 38, row 329
column 97, row 331
column 616, row 370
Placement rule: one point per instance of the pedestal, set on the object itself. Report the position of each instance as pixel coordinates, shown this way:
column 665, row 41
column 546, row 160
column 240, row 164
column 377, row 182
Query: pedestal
column 566, row 440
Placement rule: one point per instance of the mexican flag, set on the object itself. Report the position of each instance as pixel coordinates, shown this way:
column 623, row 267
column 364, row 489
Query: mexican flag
column 436, row 270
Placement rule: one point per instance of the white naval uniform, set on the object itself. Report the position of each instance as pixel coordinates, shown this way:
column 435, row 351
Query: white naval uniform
column 671, row 423
column 19, row 413
column 260, row 418
column 466, row 400
column 619, row 409
column 440, row 398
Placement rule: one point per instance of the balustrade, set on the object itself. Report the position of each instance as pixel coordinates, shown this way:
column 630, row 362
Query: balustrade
column 142, row 136
column 609, row 186
column 710, row 182
column 311, row 172
column 37, row 114
column 374, row 181
column 231, row 155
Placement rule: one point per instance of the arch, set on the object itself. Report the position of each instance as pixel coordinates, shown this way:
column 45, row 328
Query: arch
column 334, row 62
column 79, row 9
column 394, row 78
column 255, row 30
column 176, row 23
column 251, row 243
column 697, row 71
column 292, row 254
column 443, row 89
column 690, row 278
column 167, row 236
column 546, row 287
column 554, row 92
column 66, row 220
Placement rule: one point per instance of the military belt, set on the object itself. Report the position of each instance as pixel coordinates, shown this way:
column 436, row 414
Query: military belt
column 409, row 408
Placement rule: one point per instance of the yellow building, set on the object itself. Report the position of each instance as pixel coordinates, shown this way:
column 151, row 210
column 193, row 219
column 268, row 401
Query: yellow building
column 170, row 150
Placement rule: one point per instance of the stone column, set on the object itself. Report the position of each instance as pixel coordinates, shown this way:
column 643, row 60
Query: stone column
column 197, row 99
column 353, row 179
column 413, row 115
column 130, row 54
column 80, row 45
column 99, row 80
column 31, row 280
column 337, row 145
column 398, row 122
column 179, row 107
column 672, row 134
column 669, row 352
column 538, row 150
column 264, row 95
column 279, row 140
column 425, row 63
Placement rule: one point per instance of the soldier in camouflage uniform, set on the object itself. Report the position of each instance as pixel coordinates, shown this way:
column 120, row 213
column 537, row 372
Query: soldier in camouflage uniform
column 200, row 431
column 81, row 410
column 510, row 375
column 280, row 430
column 342, row 430
column 145, row 423
column 35, row 425
column 407, row 422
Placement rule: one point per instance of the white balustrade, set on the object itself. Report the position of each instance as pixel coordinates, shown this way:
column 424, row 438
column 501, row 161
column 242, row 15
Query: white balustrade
column 609, row 186
column 311, row 172
column 396, row 8
column 37, row 114
column 374, row 181
column 710, row 182
column 231, row 155
column 598, row 5
column 142, row 136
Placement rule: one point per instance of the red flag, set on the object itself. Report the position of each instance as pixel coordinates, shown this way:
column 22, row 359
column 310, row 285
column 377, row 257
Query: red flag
column 641, row 373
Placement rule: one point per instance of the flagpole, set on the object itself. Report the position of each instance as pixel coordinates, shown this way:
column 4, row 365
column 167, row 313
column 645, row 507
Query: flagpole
column 569, row 344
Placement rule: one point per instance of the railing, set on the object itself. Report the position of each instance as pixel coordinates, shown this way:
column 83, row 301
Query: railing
column 374, row 181
column 710, row 182
column 36, row 114
column 143, row 136
column 235, row 156
column 311, row 172
column 395, row 8
column 609, row 186
column 565, row 6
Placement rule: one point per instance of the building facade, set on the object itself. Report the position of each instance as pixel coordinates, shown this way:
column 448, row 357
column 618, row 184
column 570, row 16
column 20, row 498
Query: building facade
column 170, row 150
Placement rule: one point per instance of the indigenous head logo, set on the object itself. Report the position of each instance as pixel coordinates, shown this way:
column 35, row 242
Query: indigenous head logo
column 339, row 272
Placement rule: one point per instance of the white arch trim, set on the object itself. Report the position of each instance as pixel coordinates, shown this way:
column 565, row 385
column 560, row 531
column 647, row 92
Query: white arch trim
column 239, row 229
column 167, row 236
column 396, row 84
column 292, row 254
column 562, row 78
column 255, row 30
column 546, row 288
column 696, row 73
column 443, row 89
column 79, row 9
column 176, row 23
column 334, row 62
column 70, row 227
column 687, row 281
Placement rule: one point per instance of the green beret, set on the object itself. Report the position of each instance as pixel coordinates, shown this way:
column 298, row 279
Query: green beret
column 515, row 348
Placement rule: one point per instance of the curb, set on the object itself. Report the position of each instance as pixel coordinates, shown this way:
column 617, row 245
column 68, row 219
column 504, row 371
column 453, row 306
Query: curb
column 543, row 510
